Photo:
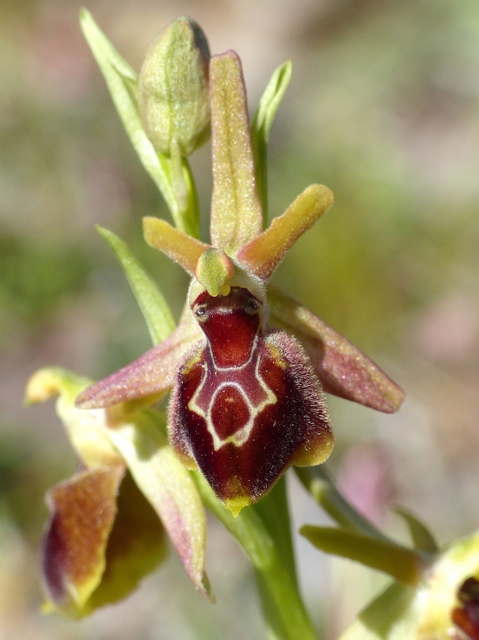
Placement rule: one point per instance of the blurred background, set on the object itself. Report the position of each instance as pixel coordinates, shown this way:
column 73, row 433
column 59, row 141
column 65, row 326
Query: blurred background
column 384, row 109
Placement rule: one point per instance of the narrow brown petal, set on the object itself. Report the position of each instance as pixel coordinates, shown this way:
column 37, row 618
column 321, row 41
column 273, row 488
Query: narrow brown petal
column 150, row 375
column 342, row 368
column 180, row 247
column 236, row 215
column 262, row 254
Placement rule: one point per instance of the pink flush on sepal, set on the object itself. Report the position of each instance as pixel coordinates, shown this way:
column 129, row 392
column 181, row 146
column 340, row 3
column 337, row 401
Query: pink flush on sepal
column 247, row 398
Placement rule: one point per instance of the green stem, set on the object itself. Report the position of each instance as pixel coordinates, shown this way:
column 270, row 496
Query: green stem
column 183, row 200
column 263, row 530
column 190, row 213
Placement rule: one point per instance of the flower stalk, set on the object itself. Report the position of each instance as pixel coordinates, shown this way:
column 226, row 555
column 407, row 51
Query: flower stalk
column 264, row 532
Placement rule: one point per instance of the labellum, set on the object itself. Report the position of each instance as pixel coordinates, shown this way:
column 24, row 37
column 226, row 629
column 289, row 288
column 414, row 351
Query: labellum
column 466, row 616
column 246, row 404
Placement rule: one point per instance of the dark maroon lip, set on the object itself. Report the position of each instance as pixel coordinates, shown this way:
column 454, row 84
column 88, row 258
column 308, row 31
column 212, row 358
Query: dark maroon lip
column 247, row 402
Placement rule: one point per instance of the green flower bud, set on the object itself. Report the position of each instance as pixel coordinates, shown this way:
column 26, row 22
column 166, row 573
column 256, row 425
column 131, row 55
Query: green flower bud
column 173, row 89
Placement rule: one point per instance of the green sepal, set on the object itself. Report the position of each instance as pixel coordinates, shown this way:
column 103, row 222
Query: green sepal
column 403, row 564
column 236, row 214
column 153, row 305
column 122, row 83
column 261, row 128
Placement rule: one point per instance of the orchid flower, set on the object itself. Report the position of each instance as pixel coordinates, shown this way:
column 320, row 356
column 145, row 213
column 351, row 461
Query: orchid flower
column 443, row 603
column 108, row 523
column 247, row 365
column 247, row 397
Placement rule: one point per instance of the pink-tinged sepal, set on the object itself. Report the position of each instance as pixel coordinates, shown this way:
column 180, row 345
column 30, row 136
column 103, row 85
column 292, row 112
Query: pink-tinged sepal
column 147, row 377
column 246, row 405
column 343, row 369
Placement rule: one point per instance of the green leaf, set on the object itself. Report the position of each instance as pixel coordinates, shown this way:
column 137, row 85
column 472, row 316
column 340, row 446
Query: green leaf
column 403, row 564
column 421, row 536
column 122, row 83
column 261, row 127
column 153, row 305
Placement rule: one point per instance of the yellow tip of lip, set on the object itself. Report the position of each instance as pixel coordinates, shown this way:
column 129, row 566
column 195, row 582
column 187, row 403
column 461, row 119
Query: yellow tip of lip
column 235, row 505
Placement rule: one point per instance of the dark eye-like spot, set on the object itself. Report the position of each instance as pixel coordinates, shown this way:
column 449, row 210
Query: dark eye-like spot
column 251, row 307
column 200, row 311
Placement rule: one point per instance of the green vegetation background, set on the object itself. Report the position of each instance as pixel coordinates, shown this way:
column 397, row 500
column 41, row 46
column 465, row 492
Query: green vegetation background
column 384, row 109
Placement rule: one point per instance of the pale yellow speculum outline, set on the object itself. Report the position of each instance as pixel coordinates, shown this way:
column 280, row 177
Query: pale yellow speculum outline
column 242, row 435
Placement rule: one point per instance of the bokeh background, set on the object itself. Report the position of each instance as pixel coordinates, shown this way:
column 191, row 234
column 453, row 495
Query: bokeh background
column 384, row 109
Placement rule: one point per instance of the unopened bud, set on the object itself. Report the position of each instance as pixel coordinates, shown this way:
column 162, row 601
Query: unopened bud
column 173, row 89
